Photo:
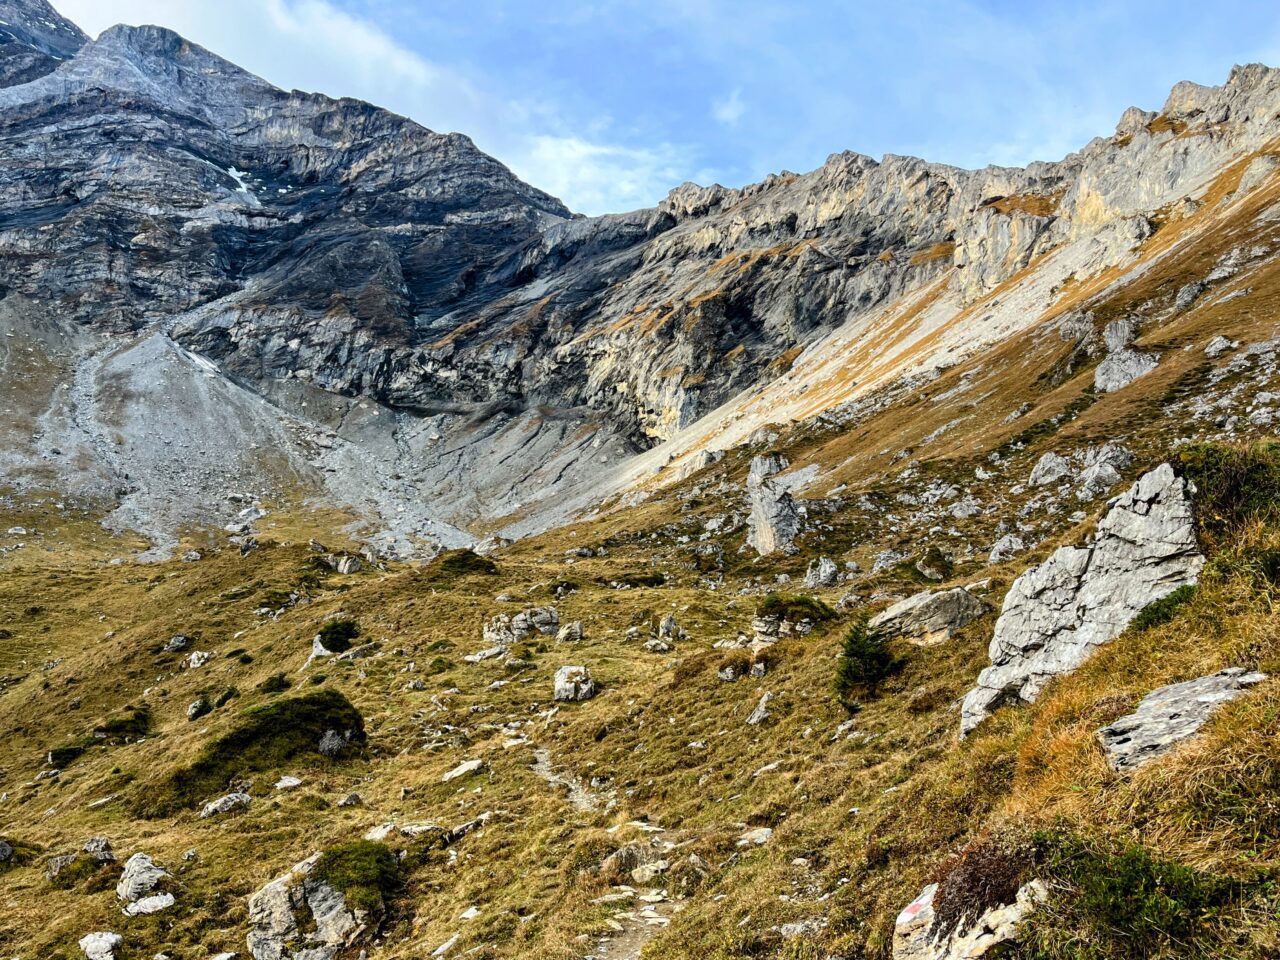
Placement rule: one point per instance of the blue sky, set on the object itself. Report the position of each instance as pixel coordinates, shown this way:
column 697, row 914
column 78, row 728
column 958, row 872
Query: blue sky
column 609, row 104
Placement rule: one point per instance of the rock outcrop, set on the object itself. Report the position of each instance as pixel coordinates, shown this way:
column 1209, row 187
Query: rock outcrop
column 931, row 616
column 774, row 521
column 1057, row 613
column 1169, row 715
column 914, row 936
column 298, row 917
column 573, row 684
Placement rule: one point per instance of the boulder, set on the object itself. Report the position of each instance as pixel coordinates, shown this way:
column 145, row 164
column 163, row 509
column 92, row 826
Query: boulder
column 1219, row 345
column 140, row 877
column 822, row 572
column 98, row 848
column 297, row 917
column 1049, row 469
column 1006, row 548
column 571, row 632
column 462, row 769
column 1056, row 614
column 931, row 616
column 101, row 945
column 225, row 804
column 573, row 684
column 757, row 837
column 1097, row 480
column 505, row 629
column 198, row 708
column 761, row 713
column 914, row 937
column 148, row 905
column 1169, row 715
column 775, row 521
column 1123, row 367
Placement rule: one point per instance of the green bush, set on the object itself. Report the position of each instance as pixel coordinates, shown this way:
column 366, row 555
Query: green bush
column 865, row 662
column 266, row 737
column 1121, row 903
column 1234, row 484
column 129, row 724
column 276, row 683
column 364, row 871
column 337, row 634
column 794, row 608
column 461, row 563
column 1160, row 612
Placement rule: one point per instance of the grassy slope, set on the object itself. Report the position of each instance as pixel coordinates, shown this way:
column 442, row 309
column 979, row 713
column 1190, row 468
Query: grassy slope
column 861, row 822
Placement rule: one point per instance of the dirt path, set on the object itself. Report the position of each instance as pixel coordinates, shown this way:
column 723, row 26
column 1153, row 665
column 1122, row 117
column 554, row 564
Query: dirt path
column 580, row 796
column 641, row 916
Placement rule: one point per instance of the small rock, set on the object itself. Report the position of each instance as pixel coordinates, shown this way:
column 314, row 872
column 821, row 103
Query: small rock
column 462, row 769
column 149, row 905
column 288, row 783
column 571, row 632
column 573, row 684
column 198, row 708
column 232, row 801
column 101, row 945
column 761, row 713
column 1006, row 548
column 822, row 572
column 756, row 838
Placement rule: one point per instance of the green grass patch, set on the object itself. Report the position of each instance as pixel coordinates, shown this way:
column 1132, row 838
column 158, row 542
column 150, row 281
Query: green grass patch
column 1234, row 484
column 1123, row 903
column 461, row 563
column 794, row 608
column 363, row 871
column 337, row 634
column 1159, row 612
column 264, row 738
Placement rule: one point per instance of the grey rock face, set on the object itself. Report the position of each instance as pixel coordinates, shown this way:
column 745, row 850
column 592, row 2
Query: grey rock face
column 930, row 617
column 774, row 521
column 140, row 876
column 1056, row 614
column 34, row 40
column 1050, row 468
column 505, row 630
column 573, row 684
column 1123, row 367
column 1169, row 715
column 296, row 917
column 822, row 572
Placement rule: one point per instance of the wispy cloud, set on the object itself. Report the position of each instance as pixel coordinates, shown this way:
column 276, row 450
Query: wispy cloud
column 729, row 110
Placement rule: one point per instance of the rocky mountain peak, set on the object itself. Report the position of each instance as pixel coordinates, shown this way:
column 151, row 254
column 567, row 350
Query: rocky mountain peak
column 34, row 39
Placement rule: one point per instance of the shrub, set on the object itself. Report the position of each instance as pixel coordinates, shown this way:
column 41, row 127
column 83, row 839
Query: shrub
column 276, row 683
column 266, row 737
column 1123, row 903
column 865, row 661
column 363, row 871
column 987, row 873
column 794, row 608
column 461, row 563
column 337, row 634
column 1234, row 484
column 129, row 724
column 1159, row 612
column 641, row 579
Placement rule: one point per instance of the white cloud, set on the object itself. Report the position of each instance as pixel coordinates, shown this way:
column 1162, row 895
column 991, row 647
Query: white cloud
column 315, row 45
column 730, row 109
column 602, row 177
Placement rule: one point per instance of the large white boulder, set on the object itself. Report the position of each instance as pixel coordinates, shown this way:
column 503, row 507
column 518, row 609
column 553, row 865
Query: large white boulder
column 1056, row 614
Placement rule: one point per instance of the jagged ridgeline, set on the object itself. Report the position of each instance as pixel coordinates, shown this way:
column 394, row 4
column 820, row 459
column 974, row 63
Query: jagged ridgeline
column 879, row 562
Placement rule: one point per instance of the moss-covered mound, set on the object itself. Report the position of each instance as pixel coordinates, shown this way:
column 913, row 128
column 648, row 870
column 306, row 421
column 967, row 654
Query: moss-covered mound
column 264, row 738
column 364, row 871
